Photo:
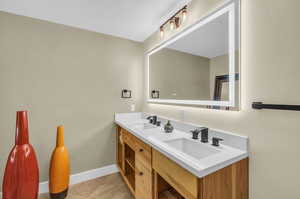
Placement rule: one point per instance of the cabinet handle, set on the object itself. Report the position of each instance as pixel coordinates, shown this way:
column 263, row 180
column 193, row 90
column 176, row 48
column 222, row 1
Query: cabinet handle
column 141, row 173
column 141, row 150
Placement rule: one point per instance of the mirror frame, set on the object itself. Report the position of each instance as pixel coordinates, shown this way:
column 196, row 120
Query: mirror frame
column 228, row 8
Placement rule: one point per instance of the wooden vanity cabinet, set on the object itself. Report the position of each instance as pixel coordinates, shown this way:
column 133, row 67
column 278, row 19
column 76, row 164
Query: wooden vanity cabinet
column 149, row 174
column 134, row 162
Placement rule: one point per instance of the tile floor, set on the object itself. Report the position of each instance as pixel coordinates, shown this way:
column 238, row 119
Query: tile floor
column 107, row 187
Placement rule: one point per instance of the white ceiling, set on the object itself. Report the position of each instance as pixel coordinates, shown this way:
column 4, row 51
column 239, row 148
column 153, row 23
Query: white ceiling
column 130, row 19
column 210, row 40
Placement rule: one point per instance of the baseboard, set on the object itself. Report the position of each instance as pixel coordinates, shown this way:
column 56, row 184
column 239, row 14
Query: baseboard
column 92, row 174
column 83, row 176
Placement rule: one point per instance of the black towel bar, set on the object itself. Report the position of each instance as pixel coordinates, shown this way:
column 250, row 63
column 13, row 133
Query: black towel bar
column 260, row 105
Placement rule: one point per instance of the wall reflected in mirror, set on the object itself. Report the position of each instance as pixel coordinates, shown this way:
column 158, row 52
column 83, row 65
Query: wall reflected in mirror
column 196, row 66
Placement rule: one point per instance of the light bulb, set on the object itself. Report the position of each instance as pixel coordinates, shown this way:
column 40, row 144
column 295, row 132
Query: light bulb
column 172, row 24
column 184, row 14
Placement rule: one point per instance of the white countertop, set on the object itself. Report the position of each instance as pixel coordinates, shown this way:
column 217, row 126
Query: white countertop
column 156, row 138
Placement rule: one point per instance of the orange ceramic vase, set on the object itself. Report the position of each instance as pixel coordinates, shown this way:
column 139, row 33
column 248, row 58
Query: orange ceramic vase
column 59, row 168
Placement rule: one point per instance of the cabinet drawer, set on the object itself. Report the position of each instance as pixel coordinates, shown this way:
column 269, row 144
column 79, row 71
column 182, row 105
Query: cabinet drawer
column 128, row 139
column 143, row 178
column 182, row 180
column 143, row 154
column 143, row 145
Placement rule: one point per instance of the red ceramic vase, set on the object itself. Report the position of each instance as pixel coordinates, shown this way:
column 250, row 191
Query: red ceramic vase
column 21, row 177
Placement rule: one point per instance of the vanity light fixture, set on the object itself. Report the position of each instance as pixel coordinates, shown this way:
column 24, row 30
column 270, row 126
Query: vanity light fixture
column 175, row 21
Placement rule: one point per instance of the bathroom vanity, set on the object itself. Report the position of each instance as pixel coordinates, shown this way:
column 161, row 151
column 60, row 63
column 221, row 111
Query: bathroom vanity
column 159, row 165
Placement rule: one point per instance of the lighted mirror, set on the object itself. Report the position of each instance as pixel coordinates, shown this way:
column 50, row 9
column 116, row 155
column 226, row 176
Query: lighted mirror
column 200, row 65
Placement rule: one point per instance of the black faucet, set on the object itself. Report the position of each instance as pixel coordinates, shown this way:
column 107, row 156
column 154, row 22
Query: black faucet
column 204, row 134
column 195, row 134
column 152, row 119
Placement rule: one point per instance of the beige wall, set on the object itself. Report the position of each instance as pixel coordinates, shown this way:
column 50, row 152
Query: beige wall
column 270, row 72
column 186, row 75
column 66, row 76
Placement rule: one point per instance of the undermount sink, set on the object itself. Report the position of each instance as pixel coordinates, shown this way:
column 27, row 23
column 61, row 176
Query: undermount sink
column 195, row 149
column 143, row 126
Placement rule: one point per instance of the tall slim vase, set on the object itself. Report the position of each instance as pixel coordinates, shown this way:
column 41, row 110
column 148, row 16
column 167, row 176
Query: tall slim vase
column 21, row 177
column 59, row 168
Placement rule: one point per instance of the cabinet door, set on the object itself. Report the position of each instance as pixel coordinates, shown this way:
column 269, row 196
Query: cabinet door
column 143, row 180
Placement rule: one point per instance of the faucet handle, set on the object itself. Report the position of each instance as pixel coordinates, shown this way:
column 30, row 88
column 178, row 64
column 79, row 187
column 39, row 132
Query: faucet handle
column 215, row 141
column 195, row 133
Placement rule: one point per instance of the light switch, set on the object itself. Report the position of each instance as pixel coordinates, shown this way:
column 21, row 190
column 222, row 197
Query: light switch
column 132, row 107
